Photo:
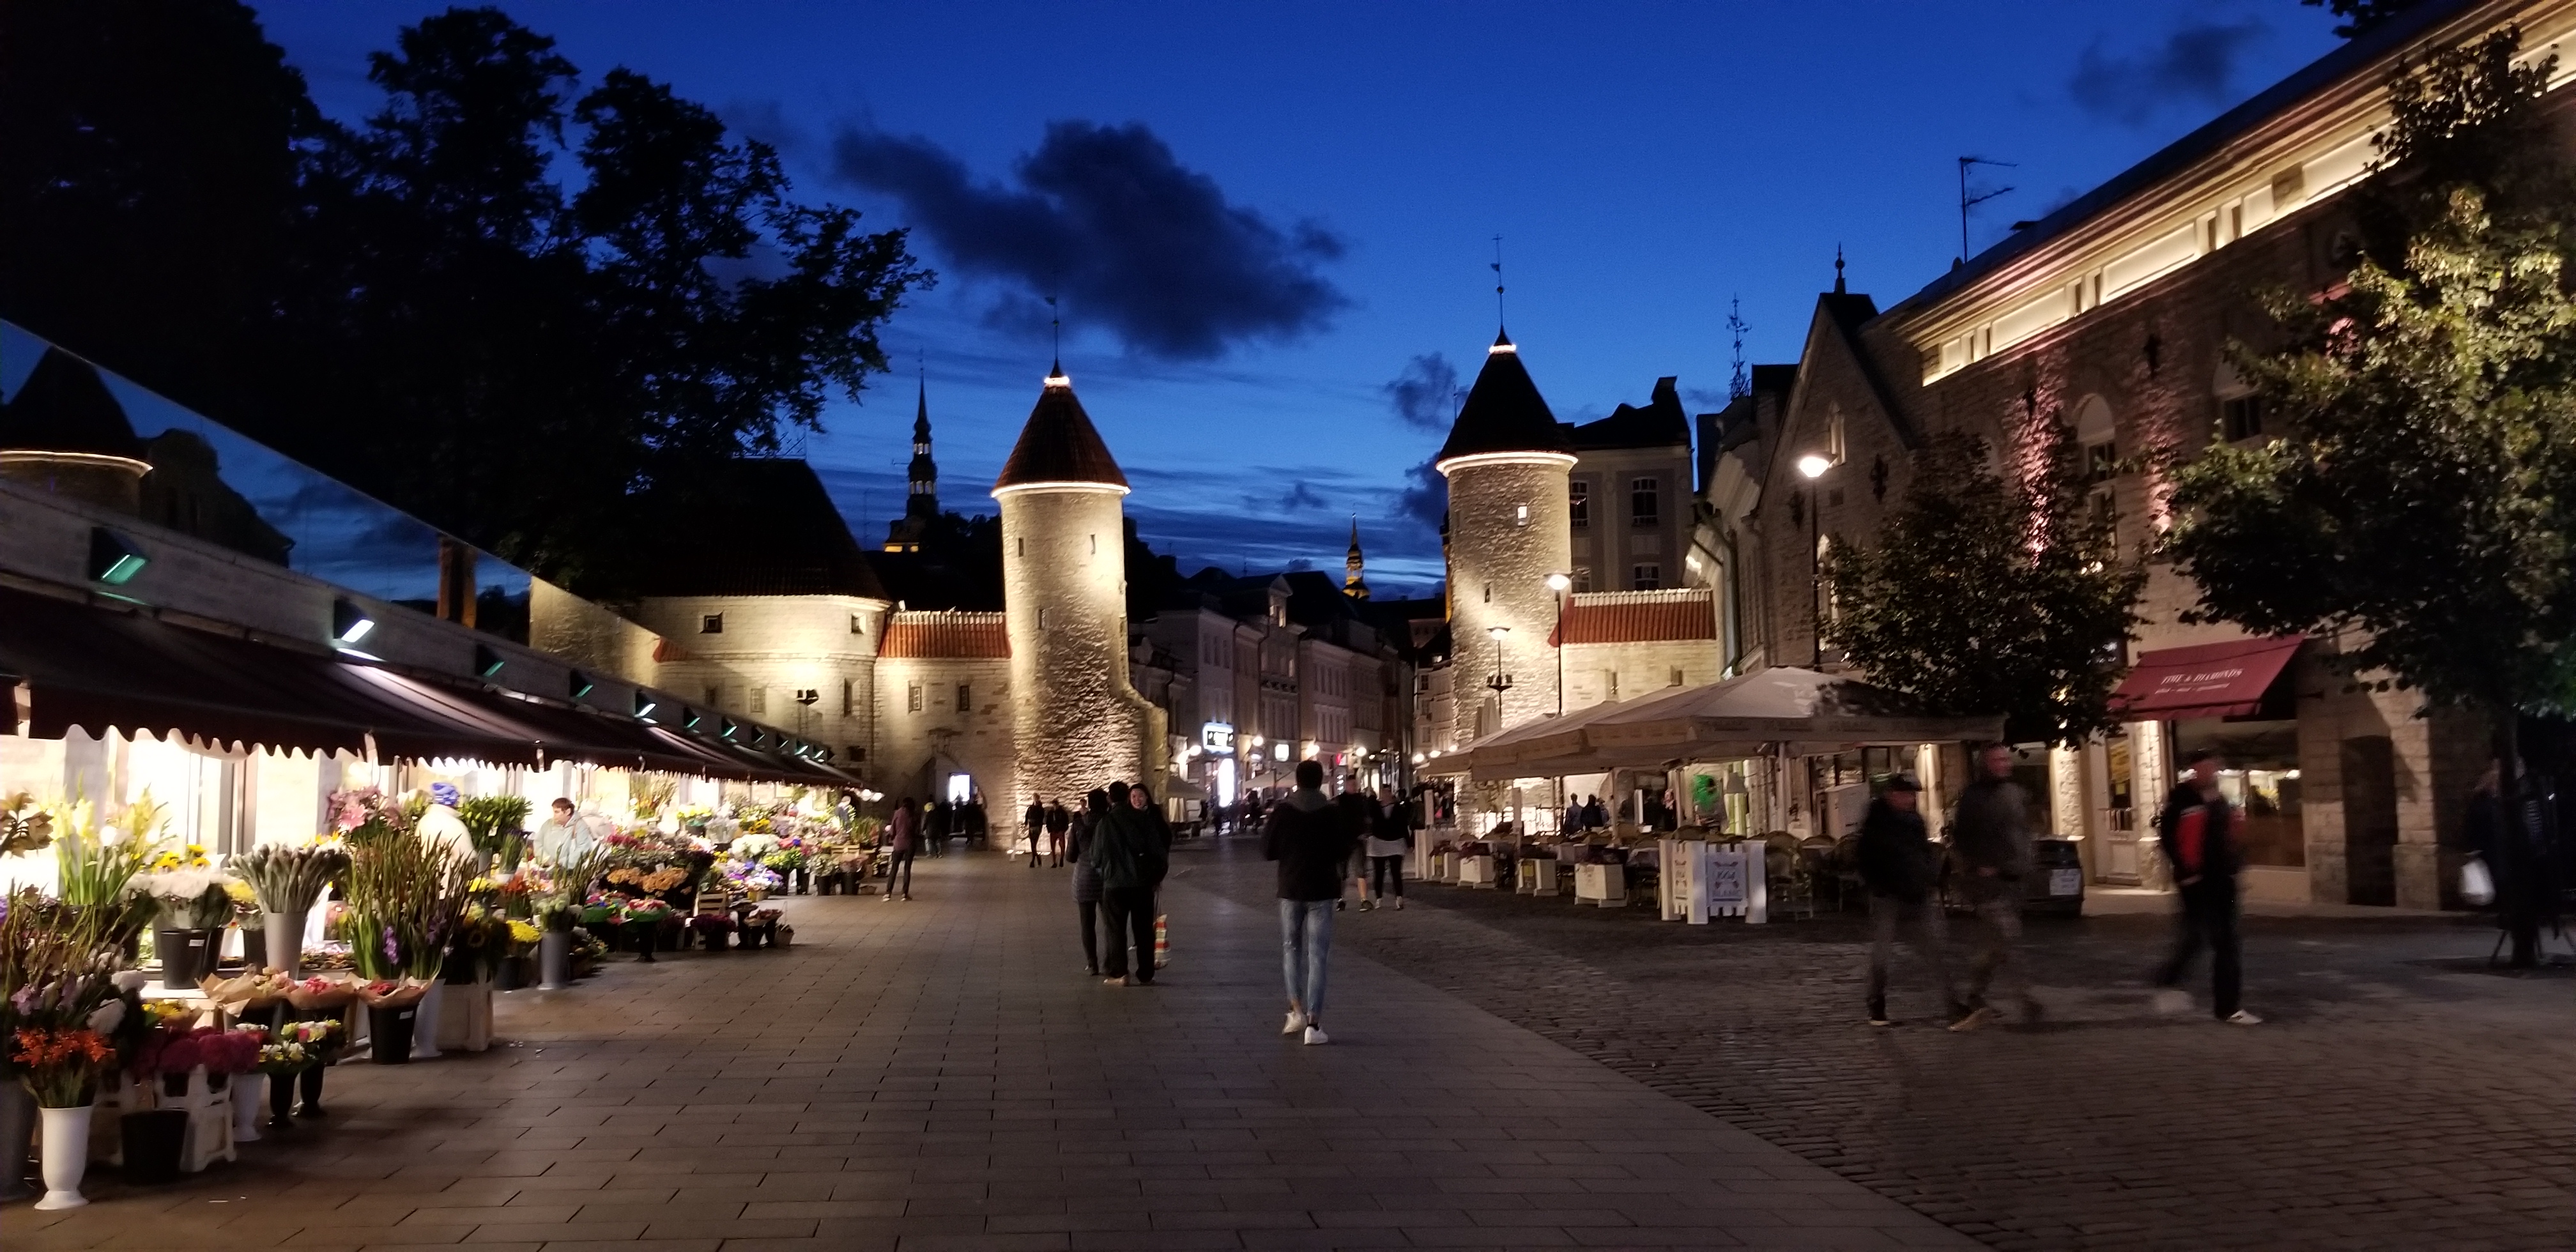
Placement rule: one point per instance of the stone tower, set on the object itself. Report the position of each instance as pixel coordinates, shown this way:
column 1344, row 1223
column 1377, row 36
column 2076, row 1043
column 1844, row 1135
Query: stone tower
column 1507, row 462
column 1076, row 723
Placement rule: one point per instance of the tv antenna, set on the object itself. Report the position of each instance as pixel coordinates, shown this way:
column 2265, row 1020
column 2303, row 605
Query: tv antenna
column 1737, row 385
column 1967, row 202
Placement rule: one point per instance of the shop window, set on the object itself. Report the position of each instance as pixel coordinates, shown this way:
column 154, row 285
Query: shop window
column 711, row 624
column 1646, row 577
column 2240, row 417
column 1578, row 503
column 912, row 697
column 1644, row 502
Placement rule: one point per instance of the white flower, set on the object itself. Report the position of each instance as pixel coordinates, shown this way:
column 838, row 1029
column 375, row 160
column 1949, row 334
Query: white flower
column 107, row 1016
column 130, row 980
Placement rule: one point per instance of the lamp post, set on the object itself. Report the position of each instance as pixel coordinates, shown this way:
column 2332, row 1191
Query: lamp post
column 1560, row 584
column 1814, row 465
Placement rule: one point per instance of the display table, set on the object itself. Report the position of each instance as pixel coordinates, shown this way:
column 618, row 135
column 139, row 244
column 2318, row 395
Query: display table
column 1538, row 875
column 1476, row 871
column 1602, row 885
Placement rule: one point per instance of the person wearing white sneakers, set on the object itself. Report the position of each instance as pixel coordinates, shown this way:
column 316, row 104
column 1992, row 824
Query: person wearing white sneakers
column 1312, row 845
column 2197, row 830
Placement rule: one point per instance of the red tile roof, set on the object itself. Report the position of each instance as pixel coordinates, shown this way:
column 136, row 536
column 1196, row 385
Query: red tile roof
column 1639, row 617
column 946, row 636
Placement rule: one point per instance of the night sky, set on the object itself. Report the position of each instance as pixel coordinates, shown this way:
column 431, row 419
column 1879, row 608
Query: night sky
column 1269, row 226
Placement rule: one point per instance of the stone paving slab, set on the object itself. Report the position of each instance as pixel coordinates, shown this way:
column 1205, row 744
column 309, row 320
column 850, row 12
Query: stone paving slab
column 942, row 1074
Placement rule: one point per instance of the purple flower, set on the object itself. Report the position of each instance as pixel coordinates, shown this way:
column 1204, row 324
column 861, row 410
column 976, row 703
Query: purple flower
column 392, row 953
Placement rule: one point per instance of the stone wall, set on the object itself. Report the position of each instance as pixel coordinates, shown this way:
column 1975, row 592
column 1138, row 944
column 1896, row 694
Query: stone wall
column 1499, row 560
column 1077, row 723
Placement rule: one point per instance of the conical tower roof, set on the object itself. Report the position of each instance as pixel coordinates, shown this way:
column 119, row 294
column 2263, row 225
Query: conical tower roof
column 1059, row 444
column 1504, row 411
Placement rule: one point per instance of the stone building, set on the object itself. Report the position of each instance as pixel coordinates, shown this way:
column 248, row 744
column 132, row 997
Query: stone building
column 2111, row 317
column 1628, row 504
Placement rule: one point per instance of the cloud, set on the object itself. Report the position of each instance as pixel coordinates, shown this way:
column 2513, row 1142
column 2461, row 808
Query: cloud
column 1424, row 395
column 2198, row 60
column 1107, row 219
column 1425, row 498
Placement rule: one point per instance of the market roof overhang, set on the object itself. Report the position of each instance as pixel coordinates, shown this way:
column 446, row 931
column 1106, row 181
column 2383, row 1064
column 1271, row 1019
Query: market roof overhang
column 105, row 667
column 1779, row 710
column 2226, row 679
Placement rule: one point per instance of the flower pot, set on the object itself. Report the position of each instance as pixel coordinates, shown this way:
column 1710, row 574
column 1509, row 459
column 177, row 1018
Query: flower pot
column 389, row 1032
column 281, row 1101
column 246, row 1092
column 154, row 1141
column 424, row 1027
column 254, row 948
column 554, row 960
column 186, row 955
column 511, row 974
column 648, row 936
column 17, row 1140
column 66, row 1156
column 310, row 1079
column 285, row 939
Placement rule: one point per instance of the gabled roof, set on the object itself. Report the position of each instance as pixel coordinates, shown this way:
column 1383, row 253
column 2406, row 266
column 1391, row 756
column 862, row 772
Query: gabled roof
column 65, row 407
column 1504, row 411
column 776, row 533
column 1059, row 444
column 946, row 636
column 1638, row 617
column 1660, row 424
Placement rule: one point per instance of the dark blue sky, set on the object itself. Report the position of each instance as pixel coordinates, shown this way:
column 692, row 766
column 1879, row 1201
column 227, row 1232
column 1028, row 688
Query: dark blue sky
column 1258, row 217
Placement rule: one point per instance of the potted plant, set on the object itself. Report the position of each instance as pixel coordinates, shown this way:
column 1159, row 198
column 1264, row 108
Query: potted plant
column 194, row 903
column 288, row 880
column 498, row 827
column 404, row 899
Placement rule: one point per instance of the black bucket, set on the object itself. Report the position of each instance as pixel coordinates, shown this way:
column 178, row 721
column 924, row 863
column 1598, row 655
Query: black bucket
column 186, row 956
column 389, row 1033
column 154, row 1142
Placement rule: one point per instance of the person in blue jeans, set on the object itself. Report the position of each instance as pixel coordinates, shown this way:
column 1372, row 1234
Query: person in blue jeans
column 1312, row 843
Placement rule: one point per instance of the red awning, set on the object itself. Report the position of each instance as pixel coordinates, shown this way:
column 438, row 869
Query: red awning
column 2204, row 680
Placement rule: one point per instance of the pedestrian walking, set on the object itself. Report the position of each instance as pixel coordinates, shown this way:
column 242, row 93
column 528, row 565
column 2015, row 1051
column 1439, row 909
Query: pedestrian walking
column 1899, row 866
column 2517, row 861
column 1595, row 817
column 934, row 827
column 973, row 823
column 1360, row 818
column 1386, row 847
column 1990, row 840
column 903, row 836
column 1059, row 822
column 1086, row 881
column 1126, row 854
column 2198, row 832
column 1310, row 842
column 1035, row 823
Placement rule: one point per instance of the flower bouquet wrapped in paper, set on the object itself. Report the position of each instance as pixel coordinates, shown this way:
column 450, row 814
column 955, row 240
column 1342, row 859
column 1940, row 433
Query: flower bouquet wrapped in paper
column 390, row 993
column 247, row 992
column 316, row 994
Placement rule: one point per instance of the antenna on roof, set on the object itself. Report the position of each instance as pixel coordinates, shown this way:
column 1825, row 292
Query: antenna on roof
column 1498, row 281
column 1737, row 386
column 1967, row 202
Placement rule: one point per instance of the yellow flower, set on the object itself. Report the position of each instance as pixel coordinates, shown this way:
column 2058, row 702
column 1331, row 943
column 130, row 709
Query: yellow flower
column 240, row 891
column 525, row 932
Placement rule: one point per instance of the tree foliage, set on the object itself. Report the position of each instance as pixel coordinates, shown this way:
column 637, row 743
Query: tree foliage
column 1982, row 596
column 527, row 311
column 2420, row 501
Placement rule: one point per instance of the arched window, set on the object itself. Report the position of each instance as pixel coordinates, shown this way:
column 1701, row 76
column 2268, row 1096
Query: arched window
column 2097, row 433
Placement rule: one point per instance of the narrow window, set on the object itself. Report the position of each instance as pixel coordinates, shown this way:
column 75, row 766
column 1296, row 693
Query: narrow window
column 1677, row 677
column 849, row 698
column 1578, row 503
column 1611, row 681
column 711, row 624
column 1646, row 577
column 965, row 697
column 858, row 625
column 760, row 702
column 715, row 695
column 1644, row 503
column 1020, row 546
column 1042, row 619
column 2101, row 460
column 912, row 697
column 1095, row 545
column 2240, row 418
column 1520, row 515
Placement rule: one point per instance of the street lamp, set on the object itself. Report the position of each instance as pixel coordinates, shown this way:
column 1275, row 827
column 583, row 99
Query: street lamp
column 1814, row 465
column 1560, row 584
column 1500, row 682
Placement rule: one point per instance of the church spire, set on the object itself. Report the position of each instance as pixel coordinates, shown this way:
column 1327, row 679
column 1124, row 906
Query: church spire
column 921, row 491
column 1353, row 584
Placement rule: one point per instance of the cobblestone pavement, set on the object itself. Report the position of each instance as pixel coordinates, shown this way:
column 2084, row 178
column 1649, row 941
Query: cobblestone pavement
column 941, row 1074
column 2399, row 1096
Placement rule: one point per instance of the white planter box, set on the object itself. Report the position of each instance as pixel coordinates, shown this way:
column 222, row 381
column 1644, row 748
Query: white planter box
column 1476, row 871
column 1603, row 885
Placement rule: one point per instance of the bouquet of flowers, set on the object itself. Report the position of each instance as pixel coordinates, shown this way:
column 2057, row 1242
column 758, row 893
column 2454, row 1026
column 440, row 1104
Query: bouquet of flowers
column 318, row 993
column 365, row 815
column 247, row 992
column 483, row 940
column 60, row 969
column 653, row 881
column 299, row 1046
column 176, row 1049
column 23, row 826
column 406, row 897
column 789, row 857
column 289, row 878
column 61, row 1065
column 524, row 936
column 191, row 894
column 498, row 826
column 95, row 862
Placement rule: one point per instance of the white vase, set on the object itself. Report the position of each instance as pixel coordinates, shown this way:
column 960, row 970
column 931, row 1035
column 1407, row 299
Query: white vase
column 66, row 1155
column 424, row 1025
column 247, row 1090
column 286, row 941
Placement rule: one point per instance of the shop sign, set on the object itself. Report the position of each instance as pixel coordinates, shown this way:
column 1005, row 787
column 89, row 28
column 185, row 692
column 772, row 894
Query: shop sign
column 1217, row 738
column 1725, row 882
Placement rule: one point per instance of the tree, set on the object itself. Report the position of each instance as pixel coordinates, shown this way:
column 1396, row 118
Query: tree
column 2360, row 17
column 2419, row 504
column 1982, row 596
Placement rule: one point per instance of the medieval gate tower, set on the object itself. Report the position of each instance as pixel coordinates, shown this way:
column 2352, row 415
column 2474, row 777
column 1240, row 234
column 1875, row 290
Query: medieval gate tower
column 1507, row 463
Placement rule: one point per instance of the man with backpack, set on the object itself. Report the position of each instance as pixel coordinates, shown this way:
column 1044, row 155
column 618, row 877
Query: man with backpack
column 2197, row 831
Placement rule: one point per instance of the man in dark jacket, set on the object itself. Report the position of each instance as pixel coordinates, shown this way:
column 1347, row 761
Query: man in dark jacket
column 1034, row 821
column 1312, row 844
column 2198, row 833
column 1129, row 858
column 1058, row 821
column 1360, row 816
column 1898, row 866
column 1990, row 841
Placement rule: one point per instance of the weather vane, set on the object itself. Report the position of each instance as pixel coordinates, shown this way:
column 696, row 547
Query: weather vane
column 1499, row 319
column 1055, row 320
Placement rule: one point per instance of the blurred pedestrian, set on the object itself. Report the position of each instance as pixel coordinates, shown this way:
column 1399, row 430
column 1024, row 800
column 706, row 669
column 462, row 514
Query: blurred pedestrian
column 934, row 828
column 1360, row 818
column 903, row 838
column 1059, row 822
column 2198, row 832
column 1130, row 860
column 2516, row 856
column 1386, row 848
column 1990, row 840
column 1899, row 867
column 1086, row 881
column 1311, row 843
column 1034, row 822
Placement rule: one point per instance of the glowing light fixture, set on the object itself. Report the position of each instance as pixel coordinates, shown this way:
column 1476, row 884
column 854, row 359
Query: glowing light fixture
column 488, row 663
column 580, row 684
column 113, row 558
column 349, row 623
column 1558, row 583
column 644, row 705
column 1814, row 464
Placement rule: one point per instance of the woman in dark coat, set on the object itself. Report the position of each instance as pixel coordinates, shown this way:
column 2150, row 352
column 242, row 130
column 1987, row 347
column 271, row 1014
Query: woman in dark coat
column 1086, row 881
